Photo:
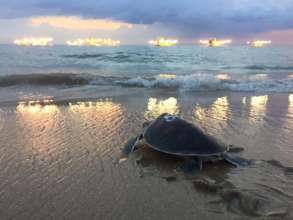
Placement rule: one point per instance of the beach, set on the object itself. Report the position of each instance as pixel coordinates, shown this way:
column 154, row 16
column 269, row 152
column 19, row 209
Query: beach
column 61, row 140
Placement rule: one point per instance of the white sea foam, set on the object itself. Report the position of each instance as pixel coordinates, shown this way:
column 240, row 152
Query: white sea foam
column 210, row 82
column 192, row 82
column 187, row 82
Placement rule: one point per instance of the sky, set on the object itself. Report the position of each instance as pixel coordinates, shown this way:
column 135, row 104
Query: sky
column 137, row 21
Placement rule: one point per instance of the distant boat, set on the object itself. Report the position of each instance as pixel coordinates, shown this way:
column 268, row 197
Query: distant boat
column 93, row 42
column 214, row 42
column 259, row 43
column 31, row 41
column 163, row 42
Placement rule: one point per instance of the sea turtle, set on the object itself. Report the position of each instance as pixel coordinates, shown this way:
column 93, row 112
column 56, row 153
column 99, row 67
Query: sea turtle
column 172, row 135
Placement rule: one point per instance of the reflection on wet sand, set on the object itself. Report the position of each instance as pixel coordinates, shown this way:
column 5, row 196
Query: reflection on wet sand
column 36, row 109
column 290, row 106
column 157, row 107
column 101, row 106
column 39, row 119
column 44, row 122
column 220, row 109
column 154, row 163
column 98, row 121
column 258, row 105
column 103, row 111
column 1, row 120
column 289, row 120
column 216, row 115
column 212, row 181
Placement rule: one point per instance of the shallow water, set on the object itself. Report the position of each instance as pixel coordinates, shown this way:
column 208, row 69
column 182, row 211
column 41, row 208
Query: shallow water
column 60, row 156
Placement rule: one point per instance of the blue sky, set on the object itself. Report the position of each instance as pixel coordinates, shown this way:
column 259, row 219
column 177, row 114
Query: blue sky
column 135, row 21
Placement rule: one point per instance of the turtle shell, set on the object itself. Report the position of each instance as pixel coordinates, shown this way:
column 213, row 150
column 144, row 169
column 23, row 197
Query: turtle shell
column 173, row 135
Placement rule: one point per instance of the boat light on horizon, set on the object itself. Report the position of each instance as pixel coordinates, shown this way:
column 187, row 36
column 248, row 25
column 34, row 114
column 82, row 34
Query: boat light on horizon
column 93, row 42
column 214, row 42
column 32, row 41
column 163, row 42
column 259, row 43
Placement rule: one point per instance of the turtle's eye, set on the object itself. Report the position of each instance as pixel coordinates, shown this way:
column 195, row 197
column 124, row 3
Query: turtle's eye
column 169, row 118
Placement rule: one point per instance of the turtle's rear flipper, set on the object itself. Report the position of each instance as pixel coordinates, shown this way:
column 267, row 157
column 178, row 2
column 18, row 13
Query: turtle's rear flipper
column 236, row 161
column 129, row 147
column 190, row 166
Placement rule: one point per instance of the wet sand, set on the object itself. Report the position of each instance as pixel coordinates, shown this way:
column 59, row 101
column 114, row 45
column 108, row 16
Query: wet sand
column 60, row 159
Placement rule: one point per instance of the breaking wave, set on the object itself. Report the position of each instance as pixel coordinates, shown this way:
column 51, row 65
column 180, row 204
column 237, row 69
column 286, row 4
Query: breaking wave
column 192, row 82
column 210, row 82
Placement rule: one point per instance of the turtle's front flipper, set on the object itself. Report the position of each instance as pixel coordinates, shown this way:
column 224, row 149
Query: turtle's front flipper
column 146, row 124
column 129, row 147
column 190, row 165
column 234, row 149
column 236, row 161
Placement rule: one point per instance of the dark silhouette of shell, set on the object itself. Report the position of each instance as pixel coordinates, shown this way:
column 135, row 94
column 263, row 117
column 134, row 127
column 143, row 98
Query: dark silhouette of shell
column 173, row 135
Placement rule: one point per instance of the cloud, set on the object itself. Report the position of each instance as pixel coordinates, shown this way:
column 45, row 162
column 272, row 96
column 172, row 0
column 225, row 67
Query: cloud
column 191, row 17
column 77, row 23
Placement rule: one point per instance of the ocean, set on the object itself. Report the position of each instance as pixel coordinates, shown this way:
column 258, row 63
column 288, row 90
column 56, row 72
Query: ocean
column 235, row 68
column 66, row 113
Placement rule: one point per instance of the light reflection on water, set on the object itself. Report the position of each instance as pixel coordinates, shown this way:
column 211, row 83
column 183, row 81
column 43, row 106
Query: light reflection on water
column 289, row 121
column 39, row 120
column 46, row 126
column 216, row 115
column 223, row 76
column 220, row 109
column 258, row 106
column 101, row 111
column 290, row 106
column 2, row 121
column 157, row 107
column 32, row 111
column 98, row 122
column 258, row 77
column 102, row 106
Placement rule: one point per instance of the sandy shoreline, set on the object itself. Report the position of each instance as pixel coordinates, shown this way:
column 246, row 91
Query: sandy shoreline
column 59, row 159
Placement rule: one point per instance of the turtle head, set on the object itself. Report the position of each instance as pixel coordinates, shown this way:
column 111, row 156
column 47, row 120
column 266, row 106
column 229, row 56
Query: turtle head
column 146, row 124
column 168, row 117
